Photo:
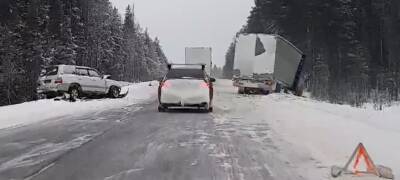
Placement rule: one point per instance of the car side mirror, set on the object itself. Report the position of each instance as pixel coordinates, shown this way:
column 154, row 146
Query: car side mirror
column 213, row 79
column 106, row 76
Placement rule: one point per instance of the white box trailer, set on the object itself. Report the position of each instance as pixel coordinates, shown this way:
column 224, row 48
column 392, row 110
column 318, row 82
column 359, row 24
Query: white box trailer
column 199, row 55
column 266, row 61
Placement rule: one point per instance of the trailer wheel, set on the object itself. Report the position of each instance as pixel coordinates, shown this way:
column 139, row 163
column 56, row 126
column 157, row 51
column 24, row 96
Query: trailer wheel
column 240, row 91
column 245, row 91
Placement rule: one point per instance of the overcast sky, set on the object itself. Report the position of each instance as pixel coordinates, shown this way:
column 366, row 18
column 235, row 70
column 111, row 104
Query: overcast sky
column 191, row 23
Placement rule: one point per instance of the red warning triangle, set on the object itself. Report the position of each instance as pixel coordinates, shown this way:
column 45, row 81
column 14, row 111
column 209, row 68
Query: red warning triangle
column 361, row 158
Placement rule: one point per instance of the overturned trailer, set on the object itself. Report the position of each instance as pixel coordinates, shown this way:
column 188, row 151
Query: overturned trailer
column 268, row 63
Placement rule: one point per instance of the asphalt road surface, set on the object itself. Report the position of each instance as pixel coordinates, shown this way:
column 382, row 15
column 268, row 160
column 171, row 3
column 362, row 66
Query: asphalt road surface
column 137, row 142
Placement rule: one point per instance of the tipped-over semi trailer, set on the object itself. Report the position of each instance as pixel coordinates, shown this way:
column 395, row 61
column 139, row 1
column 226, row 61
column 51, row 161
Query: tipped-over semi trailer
column 266, row 64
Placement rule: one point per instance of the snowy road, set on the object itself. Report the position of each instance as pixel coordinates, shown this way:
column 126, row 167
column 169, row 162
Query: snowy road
column 136, row 142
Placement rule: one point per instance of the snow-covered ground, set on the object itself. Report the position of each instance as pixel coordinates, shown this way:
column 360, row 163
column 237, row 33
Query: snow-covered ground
column 31, row 112
column 311, row 135
column 330, row 133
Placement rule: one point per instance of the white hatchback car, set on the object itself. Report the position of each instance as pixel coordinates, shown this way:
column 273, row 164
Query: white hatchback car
column 186, row 86
column 76, row 81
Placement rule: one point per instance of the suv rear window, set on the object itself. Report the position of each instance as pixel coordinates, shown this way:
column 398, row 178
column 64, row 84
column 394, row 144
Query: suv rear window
column 186, row 74
column 51, row 71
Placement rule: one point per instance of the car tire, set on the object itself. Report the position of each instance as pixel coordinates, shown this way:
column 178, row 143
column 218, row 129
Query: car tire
column 114, row 92
column 161, row 108
column 74, row 93
column 206, row 108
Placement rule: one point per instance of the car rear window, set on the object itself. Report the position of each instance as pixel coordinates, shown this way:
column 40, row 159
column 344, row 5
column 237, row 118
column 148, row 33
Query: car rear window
column 50, row 71
column 185, row 74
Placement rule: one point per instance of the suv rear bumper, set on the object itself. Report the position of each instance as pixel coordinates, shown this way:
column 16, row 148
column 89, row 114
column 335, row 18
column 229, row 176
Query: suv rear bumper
column 58, row 90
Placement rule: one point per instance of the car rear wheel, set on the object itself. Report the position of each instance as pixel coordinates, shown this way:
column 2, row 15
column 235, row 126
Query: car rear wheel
column 206, row 108
column 74, row 93
column 161, row 108
column 114, row 92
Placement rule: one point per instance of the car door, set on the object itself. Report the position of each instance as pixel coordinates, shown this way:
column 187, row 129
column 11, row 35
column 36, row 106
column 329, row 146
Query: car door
column 83, row 79
column 97, row 82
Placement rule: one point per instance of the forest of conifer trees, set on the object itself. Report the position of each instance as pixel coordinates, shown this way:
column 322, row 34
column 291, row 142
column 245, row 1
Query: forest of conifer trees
column 352, row 46
column 38, row 33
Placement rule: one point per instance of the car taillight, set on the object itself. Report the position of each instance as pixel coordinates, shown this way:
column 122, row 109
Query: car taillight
column 204, row 85
column 166, row 84
column 58, row 81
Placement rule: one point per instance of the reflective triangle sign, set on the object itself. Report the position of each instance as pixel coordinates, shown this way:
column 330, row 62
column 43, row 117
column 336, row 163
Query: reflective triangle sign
column 360, row 162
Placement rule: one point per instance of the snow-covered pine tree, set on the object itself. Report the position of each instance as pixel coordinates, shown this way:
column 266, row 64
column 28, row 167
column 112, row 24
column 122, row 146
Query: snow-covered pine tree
column 129, row 38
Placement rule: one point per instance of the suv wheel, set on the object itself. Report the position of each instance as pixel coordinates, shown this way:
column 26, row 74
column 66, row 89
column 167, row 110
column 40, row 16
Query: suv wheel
column 114, row 92
column 74, row 93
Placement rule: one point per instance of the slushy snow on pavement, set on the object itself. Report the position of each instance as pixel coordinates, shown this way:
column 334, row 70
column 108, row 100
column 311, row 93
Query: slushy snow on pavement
column 31, row 112
column 313, row 136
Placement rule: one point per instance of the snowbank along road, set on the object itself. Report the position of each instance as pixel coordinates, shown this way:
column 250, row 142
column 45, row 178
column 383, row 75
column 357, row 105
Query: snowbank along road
column 246, row 138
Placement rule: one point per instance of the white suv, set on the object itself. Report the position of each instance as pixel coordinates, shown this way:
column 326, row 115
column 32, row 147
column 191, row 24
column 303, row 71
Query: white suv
column 76, row 81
